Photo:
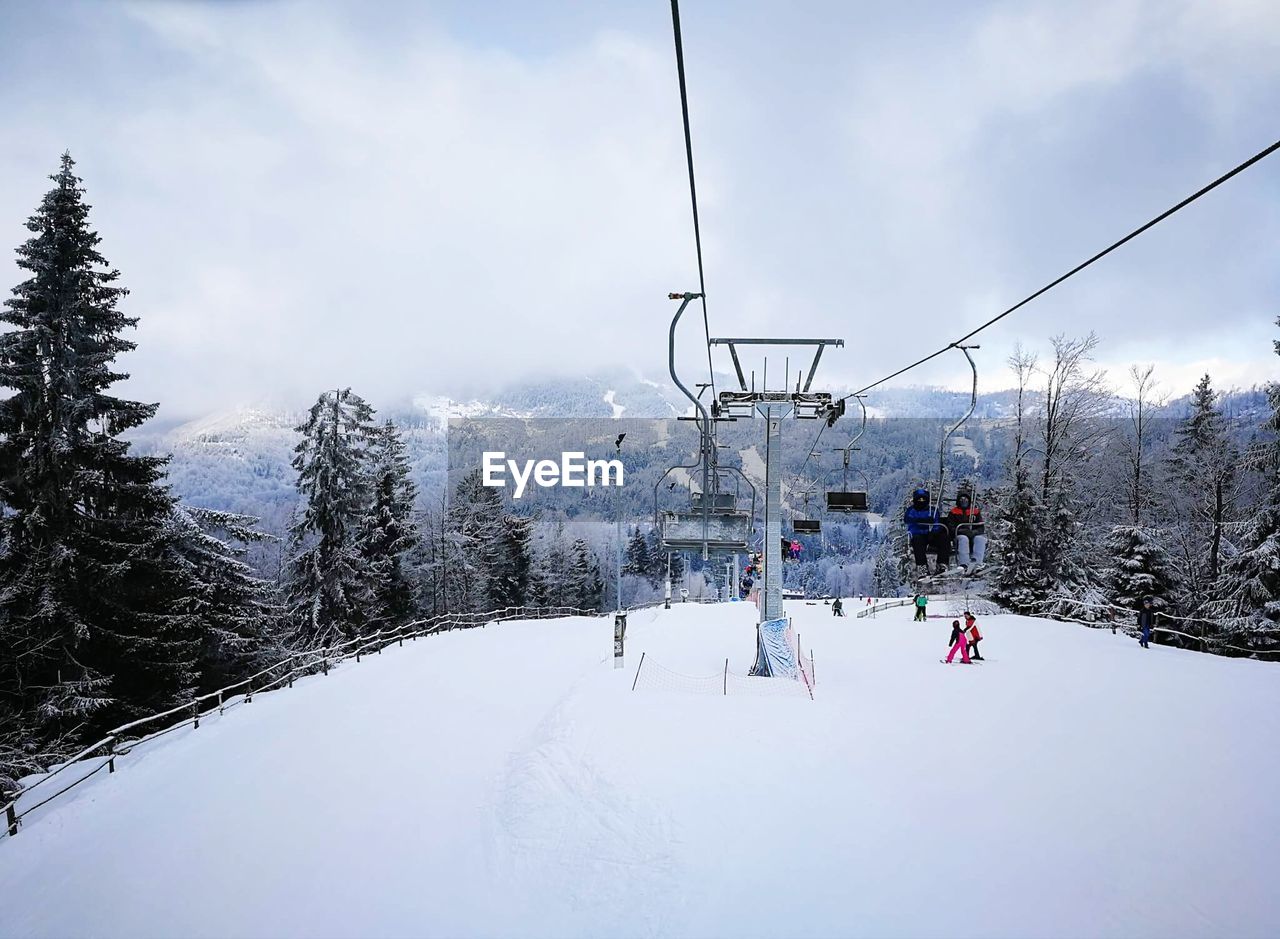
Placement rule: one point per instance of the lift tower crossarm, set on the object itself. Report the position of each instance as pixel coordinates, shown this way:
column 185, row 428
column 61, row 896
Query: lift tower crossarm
column 732, row 343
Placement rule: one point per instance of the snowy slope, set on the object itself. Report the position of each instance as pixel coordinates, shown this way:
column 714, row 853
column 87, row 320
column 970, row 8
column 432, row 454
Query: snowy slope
column 507, row 781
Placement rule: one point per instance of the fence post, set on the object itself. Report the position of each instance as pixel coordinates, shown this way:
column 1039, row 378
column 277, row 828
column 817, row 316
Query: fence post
column 248, row 695
column 325, row 666
column 11, row 816
column 726, row 678
column 357, row 653
column 111, row 755
column 195, row 710
column 220, row 711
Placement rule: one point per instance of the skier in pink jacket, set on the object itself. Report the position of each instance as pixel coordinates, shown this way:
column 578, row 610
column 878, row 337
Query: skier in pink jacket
column 959, row 643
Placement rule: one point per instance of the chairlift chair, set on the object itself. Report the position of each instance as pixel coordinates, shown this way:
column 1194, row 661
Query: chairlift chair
column 846, row 500
column 805, row 524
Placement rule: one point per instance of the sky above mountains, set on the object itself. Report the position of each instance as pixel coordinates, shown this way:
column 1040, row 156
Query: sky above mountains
column 409, row 196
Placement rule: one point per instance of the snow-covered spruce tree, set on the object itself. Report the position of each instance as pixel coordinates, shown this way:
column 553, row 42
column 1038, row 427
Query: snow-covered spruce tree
column 1017, row 577
column 330, row 594
column 387, row 531
column 239, row 611
column 511, row 563
column 885, row 579
column 1138, row 568
column 93, row 624
column 1018, row 580
column 1203, row 465
column 488, row 552
column 636, row 560
column 586, row 585
column 550, row 578
column 1247, row 595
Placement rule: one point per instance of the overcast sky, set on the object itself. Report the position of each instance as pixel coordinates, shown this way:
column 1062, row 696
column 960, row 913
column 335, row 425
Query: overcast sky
column 425, row 197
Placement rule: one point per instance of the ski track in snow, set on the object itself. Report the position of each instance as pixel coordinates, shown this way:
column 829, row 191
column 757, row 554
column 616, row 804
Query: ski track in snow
column 614, row 849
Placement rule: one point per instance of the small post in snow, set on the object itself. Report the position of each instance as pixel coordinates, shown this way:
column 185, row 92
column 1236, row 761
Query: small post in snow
column 619, row 637
column 638, row 667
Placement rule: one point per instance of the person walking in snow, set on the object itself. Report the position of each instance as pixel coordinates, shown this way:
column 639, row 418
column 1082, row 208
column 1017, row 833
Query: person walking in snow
column 959, row 643
column 1146, row 620
column 973, row 634
column 922, row 603
column 837, row 608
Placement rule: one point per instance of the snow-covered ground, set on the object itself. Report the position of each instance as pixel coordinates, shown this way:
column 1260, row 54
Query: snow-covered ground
column 508, row 782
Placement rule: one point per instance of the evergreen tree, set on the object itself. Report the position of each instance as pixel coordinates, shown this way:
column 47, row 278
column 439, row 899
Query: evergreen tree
column 1018, row 578
column 330, row 595
column 636, row 560
column 587, row 585
column 490, row 555
column 549, row 581
column 510, row 563
column 94, row 623
column 387, row 532
column 1204, row 464
column 886, row 579
column 1248, row 593
column 1139, row 569
column 239, row 611
column 472, row 526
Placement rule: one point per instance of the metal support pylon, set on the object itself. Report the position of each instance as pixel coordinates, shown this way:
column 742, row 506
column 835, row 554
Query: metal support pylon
column 771, row 602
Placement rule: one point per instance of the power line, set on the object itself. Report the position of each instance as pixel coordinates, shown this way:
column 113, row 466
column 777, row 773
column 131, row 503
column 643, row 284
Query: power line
column 693, row 188
column 1260, row 155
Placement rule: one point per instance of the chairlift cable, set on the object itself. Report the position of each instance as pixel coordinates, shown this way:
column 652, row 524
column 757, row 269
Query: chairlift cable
column 693, row 188
column 1260, row 155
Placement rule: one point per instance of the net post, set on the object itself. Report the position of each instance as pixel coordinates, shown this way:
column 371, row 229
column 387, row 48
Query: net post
column 638, row 667
column 11, row 818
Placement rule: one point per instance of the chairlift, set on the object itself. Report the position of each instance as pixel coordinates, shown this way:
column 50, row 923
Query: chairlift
column 939, row 533
column 804, row 524
column 848, row 500
column 713, row 523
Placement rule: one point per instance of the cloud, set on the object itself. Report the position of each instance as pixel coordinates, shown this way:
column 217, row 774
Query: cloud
column 302, row 195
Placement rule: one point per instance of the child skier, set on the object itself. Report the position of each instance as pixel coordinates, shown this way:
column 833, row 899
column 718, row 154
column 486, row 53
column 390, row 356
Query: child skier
column 921, row 613
column 837, row 608
column 959, row 643
column 974, row 635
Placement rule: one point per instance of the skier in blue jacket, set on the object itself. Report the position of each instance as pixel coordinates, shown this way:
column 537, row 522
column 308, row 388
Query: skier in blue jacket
column 925, row 530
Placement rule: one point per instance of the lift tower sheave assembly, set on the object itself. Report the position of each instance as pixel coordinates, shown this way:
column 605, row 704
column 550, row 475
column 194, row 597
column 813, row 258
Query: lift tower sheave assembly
column 775, row 405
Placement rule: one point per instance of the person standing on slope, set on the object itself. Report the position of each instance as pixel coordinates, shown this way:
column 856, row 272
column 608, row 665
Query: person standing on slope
column 922, row 603
column 973, row 634
column 959, row 643
column 1146, row 620
column 837, row 608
